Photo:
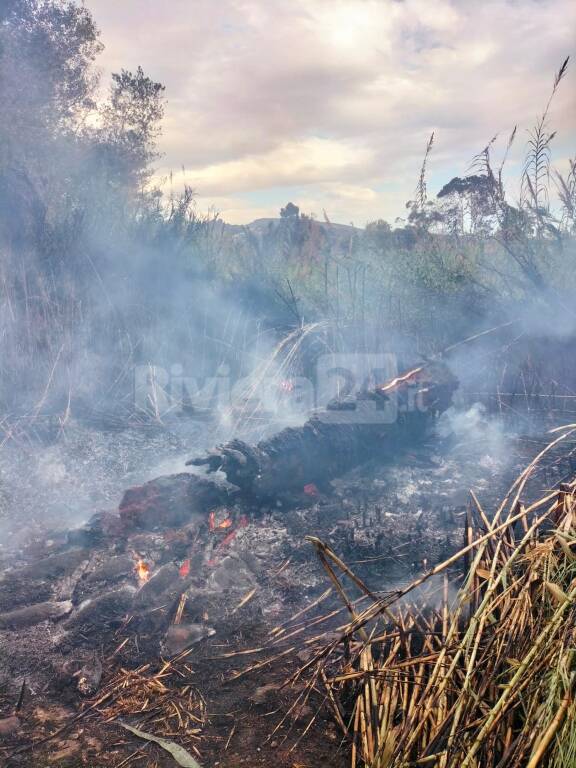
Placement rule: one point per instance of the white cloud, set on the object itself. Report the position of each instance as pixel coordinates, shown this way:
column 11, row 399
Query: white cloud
column 234, row 210
column 292, row 162
column 312, row 93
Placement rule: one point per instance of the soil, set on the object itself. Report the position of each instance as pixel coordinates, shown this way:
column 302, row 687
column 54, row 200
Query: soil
column 222, row 586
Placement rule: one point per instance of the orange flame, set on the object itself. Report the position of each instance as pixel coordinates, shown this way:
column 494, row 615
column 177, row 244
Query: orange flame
column 227, row 523
column 184, row 569
column 400, row 380
column 142, row 570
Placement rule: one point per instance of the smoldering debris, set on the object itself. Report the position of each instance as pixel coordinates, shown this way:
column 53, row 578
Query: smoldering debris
column 191, row 569
column 438, row 677
column 222, row 575
column 330, row 444
column 63, row 482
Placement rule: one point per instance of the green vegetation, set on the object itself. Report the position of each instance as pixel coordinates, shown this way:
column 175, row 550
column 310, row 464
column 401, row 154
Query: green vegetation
column 95, row 262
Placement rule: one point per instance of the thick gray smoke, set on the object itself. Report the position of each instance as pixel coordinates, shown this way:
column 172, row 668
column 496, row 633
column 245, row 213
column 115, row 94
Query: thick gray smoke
column 120, row 306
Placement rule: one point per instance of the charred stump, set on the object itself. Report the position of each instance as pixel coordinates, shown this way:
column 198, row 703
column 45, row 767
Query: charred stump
column 377, row 423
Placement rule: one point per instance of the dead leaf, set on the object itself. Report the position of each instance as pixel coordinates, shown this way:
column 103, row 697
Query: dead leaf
column 181, row 755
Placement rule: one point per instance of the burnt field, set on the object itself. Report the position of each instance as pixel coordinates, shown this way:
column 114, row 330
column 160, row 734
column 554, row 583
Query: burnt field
column 287, row 384
column 185, row 610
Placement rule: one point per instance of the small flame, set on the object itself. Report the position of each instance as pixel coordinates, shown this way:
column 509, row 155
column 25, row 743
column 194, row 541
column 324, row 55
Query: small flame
column 214, row 526
column 400, row 380
column 184, row 569
column 287, row 385
column 142, row 571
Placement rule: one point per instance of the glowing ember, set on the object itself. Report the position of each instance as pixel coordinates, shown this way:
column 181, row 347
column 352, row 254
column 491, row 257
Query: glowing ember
column 215, row 526
column 142, row 571
column 226, row 541
column 287, row 385
column 400, row 380
column 184, row 569
column 310, row 489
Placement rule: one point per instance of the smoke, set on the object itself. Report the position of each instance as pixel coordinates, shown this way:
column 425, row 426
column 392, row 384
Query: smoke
column 474, row 431
column 551, row 314
column 100, row 281
column 99, row 274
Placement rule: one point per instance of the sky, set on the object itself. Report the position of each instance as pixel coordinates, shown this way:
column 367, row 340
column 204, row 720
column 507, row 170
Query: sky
column 330, row 103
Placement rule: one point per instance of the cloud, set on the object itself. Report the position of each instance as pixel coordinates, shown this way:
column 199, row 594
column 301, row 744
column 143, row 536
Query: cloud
column 235, row 210
column 302, row 162
column 311, row 93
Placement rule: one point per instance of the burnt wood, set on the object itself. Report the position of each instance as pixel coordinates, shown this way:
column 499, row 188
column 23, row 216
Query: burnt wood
column 376, row 424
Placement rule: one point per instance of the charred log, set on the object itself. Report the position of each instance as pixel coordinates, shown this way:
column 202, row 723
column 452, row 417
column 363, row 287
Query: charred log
column 377, row 423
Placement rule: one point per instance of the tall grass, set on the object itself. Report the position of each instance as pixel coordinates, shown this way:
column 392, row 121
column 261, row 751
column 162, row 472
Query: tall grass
column 536, row 174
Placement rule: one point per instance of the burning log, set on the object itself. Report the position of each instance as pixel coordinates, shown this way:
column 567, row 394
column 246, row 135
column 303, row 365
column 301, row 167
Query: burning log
column 168, row 501
column 376, row 423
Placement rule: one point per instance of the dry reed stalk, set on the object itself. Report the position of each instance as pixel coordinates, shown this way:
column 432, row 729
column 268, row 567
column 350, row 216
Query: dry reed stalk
column 486, row 680
column 160, row 700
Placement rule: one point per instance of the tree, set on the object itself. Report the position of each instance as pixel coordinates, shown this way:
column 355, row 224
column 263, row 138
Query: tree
column 469, row 203
column 64, row 173
column 47, row 77
column 131, row 125
column 291, row 211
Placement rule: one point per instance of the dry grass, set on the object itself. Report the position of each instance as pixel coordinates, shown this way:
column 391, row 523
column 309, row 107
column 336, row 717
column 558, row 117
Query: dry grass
column 477, row 670
column 162, row 702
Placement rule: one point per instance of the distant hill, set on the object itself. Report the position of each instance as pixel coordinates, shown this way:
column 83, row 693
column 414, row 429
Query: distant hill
column 260, row 225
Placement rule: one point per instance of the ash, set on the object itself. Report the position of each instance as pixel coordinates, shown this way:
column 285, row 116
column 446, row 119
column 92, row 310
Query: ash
column 98, row 580
column 62, row 480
